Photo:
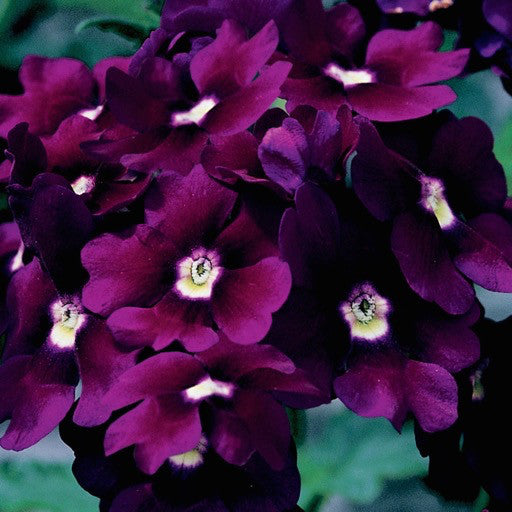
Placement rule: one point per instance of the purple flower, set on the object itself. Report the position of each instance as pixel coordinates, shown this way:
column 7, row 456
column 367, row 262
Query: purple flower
column 436, row 249
column 104, row 188
column 171, row 105
column 235, row 388
column 50, row 342
column 475, row 452
column 391, row 84
column 198, row 480
column 185, row 272
column 397, row 350
column 308, row 145
column 53, row 90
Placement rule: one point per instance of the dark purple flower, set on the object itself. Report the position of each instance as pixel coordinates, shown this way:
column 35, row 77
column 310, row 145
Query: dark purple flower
column 435, row 247
column 198, row 481
column 50, row 342
column 171, row 105
column 308, row 145
column 185, row 272
column 103, row 187
column 227, row 395
column 477, row 449
column 55, row 224
column 397, row 350
column 53, row 90
column 392, row 83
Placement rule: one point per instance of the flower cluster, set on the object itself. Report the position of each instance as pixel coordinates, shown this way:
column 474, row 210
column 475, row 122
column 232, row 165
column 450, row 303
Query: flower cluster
column 200, row 260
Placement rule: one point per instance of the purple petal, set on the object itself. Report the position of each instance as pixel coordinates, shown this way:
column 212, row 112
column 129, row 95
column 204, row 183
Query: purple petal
column 431, row 395
column 448, row 341
column 409, row 57
column 345, row 28
column 484, row 251
column 231, row 438
column 188, row 208
column 231, row 62
column 461, row 150
column 373, row 387
column 29, row 296
column 390, row 103
column 303, row 231
column 421, row 251
column 100, row 364
column 284, row 154
column 131, row 103
column 27, row 153
column 158, row 429
column 137, row 279
column 44, row 395
column 162, row 374
column 268, row 425
column 63, row 147
column 318, row 92
column 100, row 72
column 54, row 89
column 242, row 109
column 247, row 240
column 178, row 152
column 171, row 319
column 235, row 361
column 499, row 15
column 304, row 32
column 54, row 222
column 244, row 299
column 391, row 193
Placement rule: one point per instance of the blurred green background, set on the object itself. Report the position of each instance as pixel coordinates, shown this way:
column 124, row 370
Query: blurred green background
column 348, row 464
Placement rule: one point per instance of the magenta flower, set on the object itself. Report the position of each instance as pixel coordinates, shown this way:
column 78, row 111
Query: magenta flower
column 234, row 387
column 391, row 84
column 171, row 106
column 186, row 273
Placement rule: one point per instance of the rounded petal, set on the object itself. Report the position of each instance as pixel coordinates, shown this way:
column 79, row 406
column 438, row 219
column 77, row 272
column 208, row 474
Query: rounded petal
column 244, row 299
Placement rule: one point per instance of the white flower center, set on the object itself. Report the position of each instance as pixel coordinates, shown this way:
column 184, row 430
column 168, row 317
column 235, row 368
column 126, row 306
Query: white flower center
column 196, row 114
column 349, row 77
column 197, row 274
column 67, row 321
column 83, row 185
column 201, row 270
column 433, row 200
column 366, row 313
column 209, row 387
column 363, row 307
column 439, row 4
column 191, row 459
column 17, row 260
column 92, row 113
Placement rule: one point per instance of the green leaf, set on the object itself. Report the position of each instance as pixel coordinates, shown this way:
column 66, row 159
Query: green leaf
column 503, row 151
column 137, row 11
column 10, row 10
column 120, row 26
column 52, row 35
column 352, row 457
column 410, row 495
column 41, row 487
